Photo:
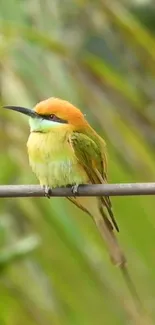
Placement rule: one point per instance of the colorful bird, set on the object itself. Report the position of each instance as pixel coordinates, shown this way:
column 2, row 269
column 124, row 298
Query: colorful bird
column 65, row 150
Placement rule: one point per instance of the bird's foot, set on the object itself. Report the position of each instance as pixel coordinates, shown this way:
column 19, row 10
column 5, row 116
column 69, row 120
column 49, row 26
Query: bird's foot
column 74, row 189
column 47, row 191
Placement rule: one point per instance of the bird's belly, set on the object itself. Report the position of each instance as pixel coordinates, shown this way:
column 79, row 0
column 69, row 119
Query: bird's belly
column 59, row 173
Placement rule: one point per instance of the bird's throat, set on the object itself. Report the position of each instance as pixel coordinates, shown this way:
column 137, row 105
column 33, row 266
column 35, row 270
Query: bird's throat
column 42, row 125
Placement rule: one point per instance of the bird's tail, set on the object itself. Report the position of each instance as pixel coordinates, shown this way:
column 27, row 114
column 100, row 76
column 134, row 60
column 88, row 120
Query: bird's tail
column 116, row 253
column 117, row 256
column 105, row 227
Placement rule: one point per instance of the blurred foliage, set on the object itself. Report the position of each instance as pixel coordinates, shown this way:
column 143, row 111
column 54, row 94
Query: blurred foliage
column 100, row 55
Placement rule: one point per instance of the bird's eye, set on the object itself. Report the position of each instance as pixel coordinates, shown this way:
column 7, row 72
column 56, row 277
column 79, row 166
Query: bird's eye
column 52, row 117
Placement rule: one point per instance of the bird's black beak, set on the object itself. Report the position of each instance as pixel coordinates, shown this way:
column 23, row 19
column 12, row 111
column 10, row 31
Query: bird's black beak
column 23, row 110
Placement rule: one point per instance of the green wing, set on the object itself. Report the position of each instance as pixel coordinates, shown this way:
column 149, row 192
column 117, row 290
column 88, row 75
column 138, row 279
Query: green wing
column 92, row 156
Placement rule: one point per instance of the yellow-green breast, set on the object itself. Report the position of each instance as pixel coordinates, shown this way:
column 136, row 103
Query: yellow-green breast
column 52, row 159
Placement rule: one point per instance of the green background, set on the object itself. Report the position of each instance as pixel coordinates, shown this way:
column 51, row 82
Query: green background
column 100, row 55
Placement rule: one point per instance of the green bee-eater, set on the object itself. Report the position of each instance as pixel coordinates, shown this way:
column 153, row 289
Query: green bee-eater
column 65, row 150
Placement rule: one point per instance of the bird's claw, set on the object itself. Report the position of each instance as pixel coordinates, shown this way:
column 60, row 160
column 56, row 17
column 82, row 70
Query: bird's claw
column 75, row 189
column 47, row 191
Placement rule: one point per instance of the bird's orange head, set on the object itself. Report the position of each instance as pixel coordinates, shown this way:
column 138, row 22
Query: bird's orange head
column 59, row 110
column 53, row 112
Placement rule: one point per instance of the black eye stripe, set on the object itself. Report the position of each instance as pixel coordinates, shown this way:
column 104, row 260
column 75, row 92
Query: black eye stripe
column 54, row 118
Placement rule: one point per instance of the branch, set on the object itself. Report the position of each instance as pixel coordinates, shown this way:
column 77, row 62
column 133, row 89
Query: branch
column 83, row 190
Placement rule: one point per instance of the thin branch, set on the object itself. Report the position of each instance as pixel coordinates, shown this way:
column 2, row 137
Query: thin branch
column 83, row 190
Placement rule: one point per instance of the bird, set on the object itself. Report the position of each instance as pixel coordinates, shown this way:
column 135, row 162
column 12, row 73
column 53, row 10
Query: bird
column 64, row 150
